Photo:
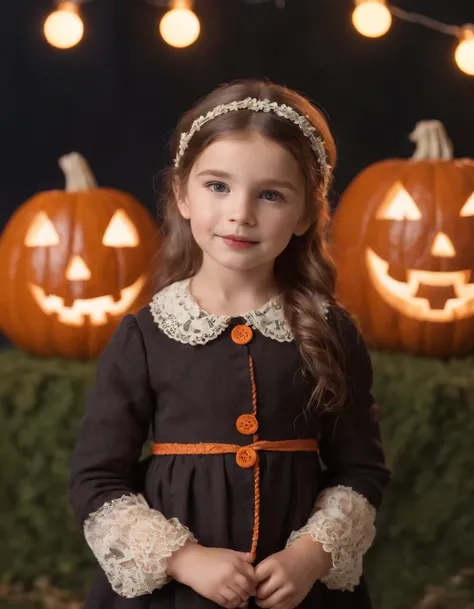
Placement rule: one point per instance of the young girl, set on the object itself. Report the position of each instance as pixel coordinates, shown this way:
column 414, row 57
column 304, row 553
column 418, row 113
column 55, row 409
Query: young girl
column 267, row 464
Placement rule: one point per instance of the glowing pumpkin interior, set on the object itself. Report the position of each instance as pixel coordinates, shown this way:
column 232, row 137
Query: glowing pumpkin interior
column 119, row 233
column 425, row 295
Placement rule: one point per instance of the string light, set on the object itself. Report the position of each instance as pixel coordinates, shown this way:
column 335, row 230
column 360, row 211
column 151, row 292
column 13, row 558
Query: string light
column 464, row 54
column 180, row 27
column 64, row 28
column 373, row 18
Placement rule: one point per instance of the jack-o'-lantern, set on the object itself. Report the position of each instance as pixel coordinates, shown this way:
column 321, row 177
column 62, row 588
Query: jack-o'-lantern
column 73, row 263
column 403, row 238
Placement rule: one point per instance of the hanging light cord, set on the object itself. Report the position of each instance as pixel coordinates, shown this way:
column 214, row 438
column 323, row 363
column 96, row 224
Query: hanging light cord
column 452, row 30
column 433, row 24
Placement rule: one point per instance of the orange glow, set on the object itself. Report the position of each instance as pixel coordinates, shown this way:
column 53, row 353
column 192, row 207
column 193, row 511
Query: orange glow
column 96, row 309
column 121, row 231
column 468, row 207
column 443, row 246
column 41, row 232
column 77, row 269
column 401, row 295
column 398, row 205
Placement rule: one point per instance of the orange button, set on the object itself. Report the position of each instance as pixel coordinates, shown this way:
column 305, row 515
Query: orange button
column 241, row 335
column 246, row 457
column 247, row 424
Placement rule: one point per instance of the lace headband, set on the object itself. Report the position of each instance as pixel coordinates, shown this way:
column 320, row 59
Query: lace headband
column 262, row 105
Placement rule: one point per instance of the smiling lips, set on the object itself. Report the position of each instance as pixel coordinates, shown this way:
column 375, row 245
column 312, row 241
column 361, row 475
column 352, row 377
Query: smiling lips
column 237, row 241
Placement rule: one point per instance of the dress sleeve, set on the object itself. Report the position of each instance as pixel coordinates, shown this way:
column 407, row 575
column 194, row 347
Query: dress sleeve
column 343, row 520
column 131, row 541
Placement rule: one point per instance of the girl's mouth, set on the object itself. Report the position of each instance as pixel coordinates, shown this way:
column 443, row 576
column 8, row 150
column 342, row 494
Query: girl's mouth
column 237, row 241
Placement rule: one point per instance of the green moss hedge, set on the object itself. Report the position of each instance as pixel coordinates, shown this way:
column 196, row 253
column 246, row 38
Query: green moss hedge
column 426, row 525
column 41, row 404
column 425, row 528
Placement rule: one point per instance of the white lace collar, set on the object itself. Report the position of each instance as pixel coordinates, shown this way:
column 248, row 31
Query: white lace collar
column 179, row 316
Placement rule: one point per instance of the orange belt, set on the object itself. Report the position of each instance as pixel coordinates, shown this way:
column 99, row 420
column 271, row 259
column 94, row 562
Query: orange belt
column 205, row 448
column 246, row 456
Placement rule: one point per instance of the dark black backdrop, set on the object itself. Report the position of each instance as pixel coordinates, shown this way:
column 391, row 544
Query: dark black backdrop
column 116, row 97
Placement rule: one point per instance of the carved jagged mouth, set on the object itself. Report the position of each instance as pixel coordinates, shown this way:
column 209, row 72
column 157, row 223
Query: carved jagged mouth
column 97, row 309
column 426, row 295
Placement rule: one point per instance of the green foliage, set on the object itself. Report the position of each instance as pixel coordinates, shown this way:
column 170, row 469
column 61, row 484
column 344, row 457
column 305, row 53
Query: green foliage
column 41, row 403
column 425, row 527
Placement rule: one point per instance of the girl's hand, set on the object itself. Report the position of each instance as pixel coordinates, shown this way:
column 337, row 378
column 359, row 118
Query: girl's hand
column 285, row 578
column 223, row 576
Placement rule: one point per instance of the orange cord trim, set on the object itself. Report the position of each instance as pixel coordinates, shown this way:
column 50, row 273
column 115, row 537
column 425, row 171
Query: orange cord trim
column 206, row 448
column 256, row 469
column 210, row 448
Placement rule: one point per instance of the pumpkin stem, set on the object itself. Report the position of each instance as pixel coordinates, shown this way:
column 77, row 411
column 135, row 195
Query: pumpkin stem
column 432, row 141
column 77, row 172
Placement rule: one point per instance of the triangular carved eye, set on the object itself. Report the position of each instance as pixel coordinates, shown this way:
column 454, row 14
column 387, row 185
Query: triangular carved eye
column 41, row 232
column 468, row 207
column 398, row 205
column 121, row 231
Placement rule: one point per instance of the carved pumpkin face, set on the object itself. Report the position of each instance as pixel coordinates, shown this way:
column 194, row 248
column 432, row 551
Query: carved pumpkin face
column 73, row 265
column 403, row 241
column 438, row 287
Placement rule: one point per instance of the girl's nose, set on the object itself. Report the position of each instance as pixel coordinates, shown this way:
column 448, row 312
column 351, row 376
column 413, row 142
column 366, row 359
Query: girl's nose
column 242, row 210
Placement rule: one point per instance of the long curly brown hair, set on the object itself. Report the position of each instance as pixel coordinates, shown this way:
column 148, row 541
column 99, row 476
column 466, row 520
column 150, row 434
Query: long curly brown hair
column 304, row 271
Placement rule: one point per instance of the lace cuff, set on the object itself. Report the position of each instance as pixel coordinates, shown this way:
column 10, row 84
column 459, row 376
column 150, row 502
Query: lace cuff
column 132, row 544
column 343, row 522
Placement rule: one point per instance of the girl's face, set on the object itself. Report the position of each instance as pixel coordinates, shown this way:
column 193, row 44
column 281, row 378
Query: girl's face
column 245, row 198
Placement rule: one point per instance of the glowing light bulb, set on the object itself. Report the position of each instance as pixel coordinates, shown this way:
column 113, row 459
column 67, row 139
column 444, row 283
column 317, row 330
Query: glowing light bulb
column 180, row 27
column 464, row 54
column 63, row 28
column 371, row 18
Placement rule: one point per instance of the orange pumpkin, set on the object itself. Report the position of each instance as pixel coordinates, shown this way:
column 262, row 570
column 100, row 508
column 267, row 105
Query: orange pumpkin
column 403, row 238
column 73, row 263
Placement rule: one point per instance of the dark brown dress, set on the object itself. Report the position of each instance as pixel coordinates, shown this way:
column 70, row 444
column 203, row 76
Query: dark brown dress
column 195, row 394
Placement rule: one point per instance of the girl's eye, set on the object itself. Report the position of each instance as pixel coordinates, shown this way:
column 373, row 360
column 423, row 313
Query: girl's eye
column 217, row 187
column 271, row 195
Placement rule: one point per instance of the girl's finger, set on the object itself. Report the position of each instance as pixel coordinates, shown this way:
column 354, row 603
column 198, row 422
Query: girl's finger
column 239, row 591
column 269, row 587
column 234, row 597
column 278, row 597
column 248, row 588
column 248, row 572
column 264, row 569
column 247, row 556
column 229, row 599
column 221, row 600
